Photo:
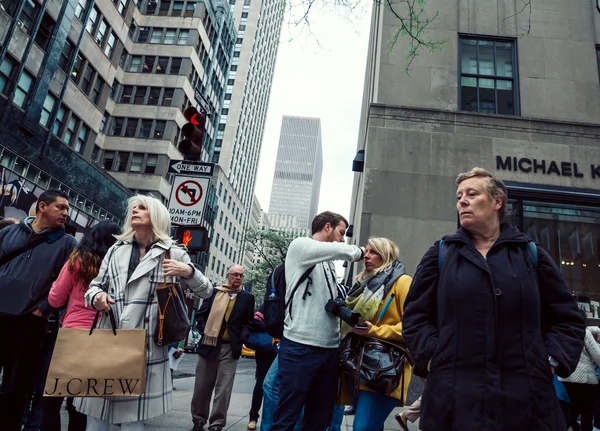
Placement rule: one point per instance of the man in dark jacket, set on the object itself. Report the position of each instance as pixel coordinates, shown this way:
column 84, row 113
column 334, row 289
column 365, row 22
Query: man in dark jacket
column 32, row 254
column 224, row 321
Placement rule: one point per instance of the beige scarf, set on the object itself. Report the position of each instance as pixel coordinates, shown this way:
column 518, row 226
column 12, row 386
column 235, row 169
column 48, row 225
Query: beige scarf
column 212, row 331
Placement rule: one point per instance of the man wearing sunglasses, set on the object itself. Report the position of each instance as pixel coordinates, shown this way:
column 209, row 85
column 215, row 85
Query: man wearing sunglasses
column 224, row 320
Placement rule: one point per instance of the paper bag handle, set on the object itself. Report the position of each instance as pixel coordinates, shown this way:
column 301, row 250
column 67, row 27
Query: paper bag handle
column 113, row 322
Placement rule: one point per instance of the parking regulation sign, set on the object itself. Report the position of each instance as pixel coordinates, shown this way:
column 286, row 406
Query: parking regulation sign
column 188, row 196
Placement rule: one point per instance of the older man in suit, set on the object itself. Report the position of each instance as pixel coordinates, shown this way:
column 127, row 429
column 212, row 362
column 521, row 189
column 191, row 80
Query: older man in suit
column 224, row 320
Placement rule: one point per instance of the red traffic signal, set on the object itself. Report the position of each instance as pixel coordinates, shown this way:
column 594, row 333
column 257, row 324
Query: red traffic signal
column 194, row 238
column 191, row 147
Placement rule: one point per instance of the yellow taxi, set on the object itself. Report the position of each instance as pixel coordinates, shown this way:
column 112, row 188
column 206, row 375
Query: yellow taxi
column 247, row 352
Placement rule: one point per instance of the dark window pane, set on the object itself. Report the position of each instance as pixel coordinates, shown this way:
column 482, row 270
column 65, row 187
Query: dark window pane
column 164, row 8
column 469, row 56
column 154, row 96
column 486, row 57
column 177, row 8
column 151, row 163
column 65, row 56
column 504, row 59
column 189, row 9
column 122, row 159
column 143, row 34
column 505, row 97
column 159, row 130
column 28, row 15
column 175, row 66
column 487, row 96
column 43, row 34
column 162, row 65
column 146, row 128
column 168, row 97
column 127, row 92
column 469, row 94
column 97, row 90
column 151, row 8
column 76, row 72
column 118, row 126
column 109, row 157
column 86, row 82
column 131, row 127
column 140, row 95
column 7, row 68
column 123, row 59
column 136, row 64
column 148, row 64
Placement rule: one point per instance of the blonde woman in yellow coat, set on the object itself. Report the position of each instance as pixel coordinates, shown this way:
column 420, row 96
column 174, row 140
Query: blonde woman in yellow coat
column 384, row 281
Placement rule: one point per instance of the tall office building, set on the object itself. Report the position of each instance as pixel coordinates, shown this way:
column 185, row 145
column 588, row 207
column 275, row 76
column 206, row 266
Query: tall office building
column 525, row 108
column 297, row 179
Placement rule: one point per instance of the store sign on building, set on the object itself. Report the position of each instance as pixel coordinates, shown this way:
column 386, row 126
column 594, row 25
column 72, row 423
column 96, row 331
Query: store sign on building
column 546, row 167
column 188, row 196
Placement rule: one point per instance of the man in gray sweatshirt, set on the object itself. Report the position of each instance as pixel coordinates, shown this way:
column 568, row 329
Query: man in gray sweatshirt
column 311, row 336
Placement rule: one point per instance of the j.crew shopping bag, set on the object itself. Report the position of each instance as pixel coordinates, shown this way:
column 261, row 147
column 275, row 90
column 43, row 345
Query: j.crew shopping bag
column 98, row 362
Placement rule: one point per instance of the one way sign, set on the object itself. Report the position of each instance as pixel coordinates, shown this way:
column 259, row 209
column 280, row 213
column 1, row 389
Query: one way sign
column 182, row 167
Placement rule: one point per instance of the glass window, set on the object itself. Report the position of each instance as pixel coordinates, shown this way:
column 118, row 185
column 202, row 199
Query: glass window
column 151, row 7
column 159, row 130
column 164, row 8
column 102, row 31
column 70, row 131
column 122, row 159
column 162, row 65
column 59, row 121
column 23, row 87
column 92, row 22
column 107, row 163
column 140, row 95
column 123, row 59
column 43, row 34
column 487, row 81
column 190, row 8
column 47, row 109
column 151, row 163
column 131, row 127
column 132, row 29
column 175, row 66
column 77, row 66
column 156, row 35
column 182, row 39
column 7, row 68
column 65, row 56
column 136, row 162
column 104, row 122
column 80, row 9
column 148, row 64
column 110, row 45
column 122, row 7
column 170, row 36
column 145, row 129
column 126, row 97
column 143, row 34
column 118, row 124
column 168, row 97
column 177, row 8
column 97, row 91
column 82, row 137
column 154, row 96
column 136, row 63
column 88, row 75
column 28, row 15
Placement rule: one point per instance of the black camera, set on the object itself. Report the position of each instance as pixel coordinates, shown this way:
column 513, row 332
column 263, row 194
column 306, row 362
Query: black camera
column 338, row 308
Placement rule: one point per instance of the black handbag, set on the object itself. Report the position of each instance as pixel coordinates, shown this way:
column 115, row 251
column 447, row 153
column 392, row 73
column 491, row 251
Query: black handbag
column 173, row 322
column 375, row 363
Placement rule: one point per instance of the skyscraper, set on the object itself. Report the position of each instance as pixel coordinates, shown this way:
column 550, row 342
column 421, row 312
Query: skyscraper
column 297, row 179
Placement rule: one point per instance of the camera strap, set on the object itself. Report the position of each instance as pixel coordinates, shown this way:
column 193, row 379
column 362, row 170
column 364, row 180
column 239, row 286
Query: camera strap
column 327, row 279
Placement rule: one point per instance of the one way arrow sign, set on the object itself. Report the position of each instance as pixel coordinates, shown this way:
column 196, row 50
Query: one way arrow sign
column 191, row 168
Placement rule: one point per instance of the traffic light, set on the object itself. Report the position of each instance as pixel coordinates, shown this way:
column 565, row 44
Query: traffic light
column 191, row 146
column 194, row 238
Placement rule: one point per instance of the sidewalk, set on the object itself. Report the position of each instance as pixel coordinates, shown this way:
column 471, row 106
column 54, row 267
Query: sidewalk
column 237, row 419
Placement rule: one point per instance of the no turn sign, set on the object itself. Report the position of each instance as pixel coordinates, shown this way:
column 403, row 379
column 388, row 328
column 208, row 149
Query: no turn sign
column 188, row 196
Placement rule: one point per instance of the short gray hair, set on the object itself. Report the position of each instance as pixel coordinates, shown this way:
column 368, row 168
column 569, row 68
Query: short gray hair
column 493, row 186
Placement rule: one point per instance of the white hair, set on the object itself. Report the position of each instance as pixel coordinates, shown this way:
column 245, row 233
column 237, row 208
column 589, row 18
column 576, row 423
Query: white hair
column 159, row 217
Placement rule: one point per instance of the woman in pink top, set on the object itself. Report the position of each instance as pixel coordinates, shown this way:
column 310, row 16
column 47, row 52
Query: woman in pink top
column 69, row 288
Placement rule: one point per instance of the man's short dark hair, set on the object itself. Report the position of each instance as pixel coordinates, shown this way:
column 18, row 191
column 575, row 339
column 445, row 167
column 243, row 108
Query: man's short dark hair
column 48, row 197
column 322, row 219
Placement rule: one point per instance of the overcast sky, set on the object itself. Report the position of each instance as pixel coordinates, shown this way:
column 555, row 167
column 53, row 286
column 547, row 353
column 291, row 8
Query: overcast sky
column 323, row 81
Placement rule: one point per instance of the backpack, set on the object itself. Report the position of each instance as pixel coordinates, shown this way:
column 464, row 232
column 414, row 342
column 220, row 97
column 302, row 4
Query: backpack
column 275, row 304
column 443, row 248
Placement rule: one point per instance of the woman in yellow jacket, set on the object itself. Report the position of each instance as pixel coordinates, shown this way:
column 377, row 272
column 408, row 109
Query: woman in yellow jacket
column 378, row 295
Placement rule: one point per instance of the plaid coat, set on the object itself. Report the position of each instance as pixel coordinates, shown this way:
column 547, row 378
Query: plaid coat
column 136, row 308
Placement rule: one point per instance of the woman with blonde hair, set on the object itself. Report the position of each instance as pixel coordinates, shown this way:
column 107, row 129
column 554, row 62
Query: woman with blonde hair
column 132, row 269
column 378, row 295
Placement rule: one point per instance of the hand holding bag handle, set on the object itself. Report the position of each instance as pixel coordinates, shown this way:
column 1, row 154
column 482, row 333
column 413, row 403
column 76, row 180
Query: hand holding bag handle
column 113, row 322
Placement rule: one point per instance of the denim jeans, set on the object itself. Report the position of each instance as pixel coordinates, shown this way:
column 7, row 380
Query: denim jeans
column 271, row 398
column 372, row 409
column 308, row 378
column 337, row 419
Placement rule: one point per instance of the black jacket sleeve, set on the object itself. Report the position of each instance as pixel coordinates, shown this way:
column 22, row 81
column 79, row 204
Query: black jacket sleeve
column 419, row 323
column 203, row 312
column 563, row 324
column 248, row 325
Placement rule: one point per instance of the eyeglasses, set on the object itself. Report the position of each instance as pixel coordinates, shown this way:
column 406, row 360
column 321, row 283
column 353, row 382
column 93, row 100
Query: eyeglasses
column 237, row 275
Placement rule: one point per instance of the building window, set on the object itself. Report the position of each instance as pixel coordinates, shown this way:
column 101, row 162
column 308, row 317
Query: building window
column 148, row 65
column 151, row 7
column 154, row 96
column 190, row 8
column 136, row 63
column 118, row 126
column 122, row 7
column 123, row 59
column 104, row 122
column 97, row 91
column 136, row 162
column 183, row 36
column 151, row 163
column 122, row 159
column 170, row 36
column 77, row 66
column 159, row 130
column 82, row 137
column 140, row 95
column 127, row 94
column 131, row 127
column 107, row 163
column 7, row 67
column 28, row 15
column 43, row 34
column 143, row 35
column 175, row 66
column 65, row 56
column 102, row 31
column 70, row 132
column 488, row 76
column 93, row 19
column 162, row 65
column 164, row 8
column 80, row 9
column 47, row 109
column 177, row 8
column 86, row 82
column 59, row 121
column 110, row 45
column 23, row 87
column 168, row 97
column 145, row 129
column 156, row 35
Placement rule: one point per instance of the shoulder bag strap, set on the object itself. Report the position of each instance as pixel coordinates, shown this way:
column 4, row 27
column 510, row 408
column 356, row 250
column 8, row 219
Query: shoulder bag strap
column 15, row 253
